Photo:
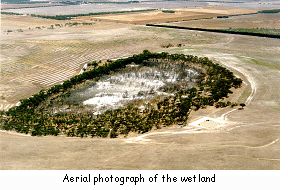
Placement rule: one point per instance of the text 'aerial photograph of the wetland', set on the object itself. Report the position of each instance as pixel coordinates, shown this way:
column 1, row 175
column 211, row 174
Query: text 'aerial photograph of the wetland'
column 140, row 85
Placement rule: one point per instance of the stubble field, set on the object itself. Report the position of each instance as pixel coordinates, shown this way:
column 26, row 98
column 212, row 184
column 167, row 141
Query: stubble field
column 175, row 15
column 245, row 21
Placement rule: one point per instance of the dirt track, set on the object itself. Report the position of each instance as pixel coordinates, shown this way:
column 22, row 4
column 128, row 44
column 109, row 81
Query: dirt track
column 247, row 139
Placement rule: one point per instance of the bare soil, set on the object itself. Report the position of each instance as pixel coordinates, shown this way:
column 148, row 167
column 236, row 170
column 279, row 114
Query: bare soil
column 178, row 15
column 270, row 21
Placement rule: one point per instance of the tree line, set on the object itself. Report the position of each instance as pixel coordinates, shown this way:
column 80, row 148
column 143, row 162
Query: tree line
column 32, row 117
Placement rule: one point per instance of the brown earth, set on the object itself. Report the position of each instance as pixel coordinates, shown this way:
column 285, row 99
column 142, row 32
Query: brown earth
column 159, row 16
column 271, row 21
column 153, row 17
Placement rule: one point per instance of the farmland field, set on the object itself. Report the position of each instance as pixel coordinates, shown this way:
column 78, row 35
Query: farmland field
column 53, row 55
column 270, row 21
column 38, row 53
column 90, row 8
column 176, row 15
column 103, row 6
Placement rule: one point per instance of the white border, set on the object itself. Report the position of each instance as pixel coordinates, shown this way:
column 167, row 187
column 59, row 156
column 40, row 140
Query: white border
column 236, row 180
column 224, row 179
column 284, row 94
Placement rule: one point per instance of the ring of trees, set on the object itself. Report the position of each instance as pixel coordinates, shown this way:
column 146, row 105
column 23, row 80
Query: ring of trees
column 30, row 116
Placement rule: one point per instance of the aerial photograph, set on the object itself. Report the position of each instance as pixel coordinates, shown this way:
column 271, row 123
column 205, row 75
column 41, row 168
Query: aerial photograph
column 140, row 85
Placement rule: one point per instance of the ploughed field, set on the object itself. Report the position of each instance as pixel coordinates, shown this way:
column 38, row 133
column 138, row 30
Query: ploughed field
column 267, row 23
column 136, row 94
column 171, row 15
column 44, row 55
